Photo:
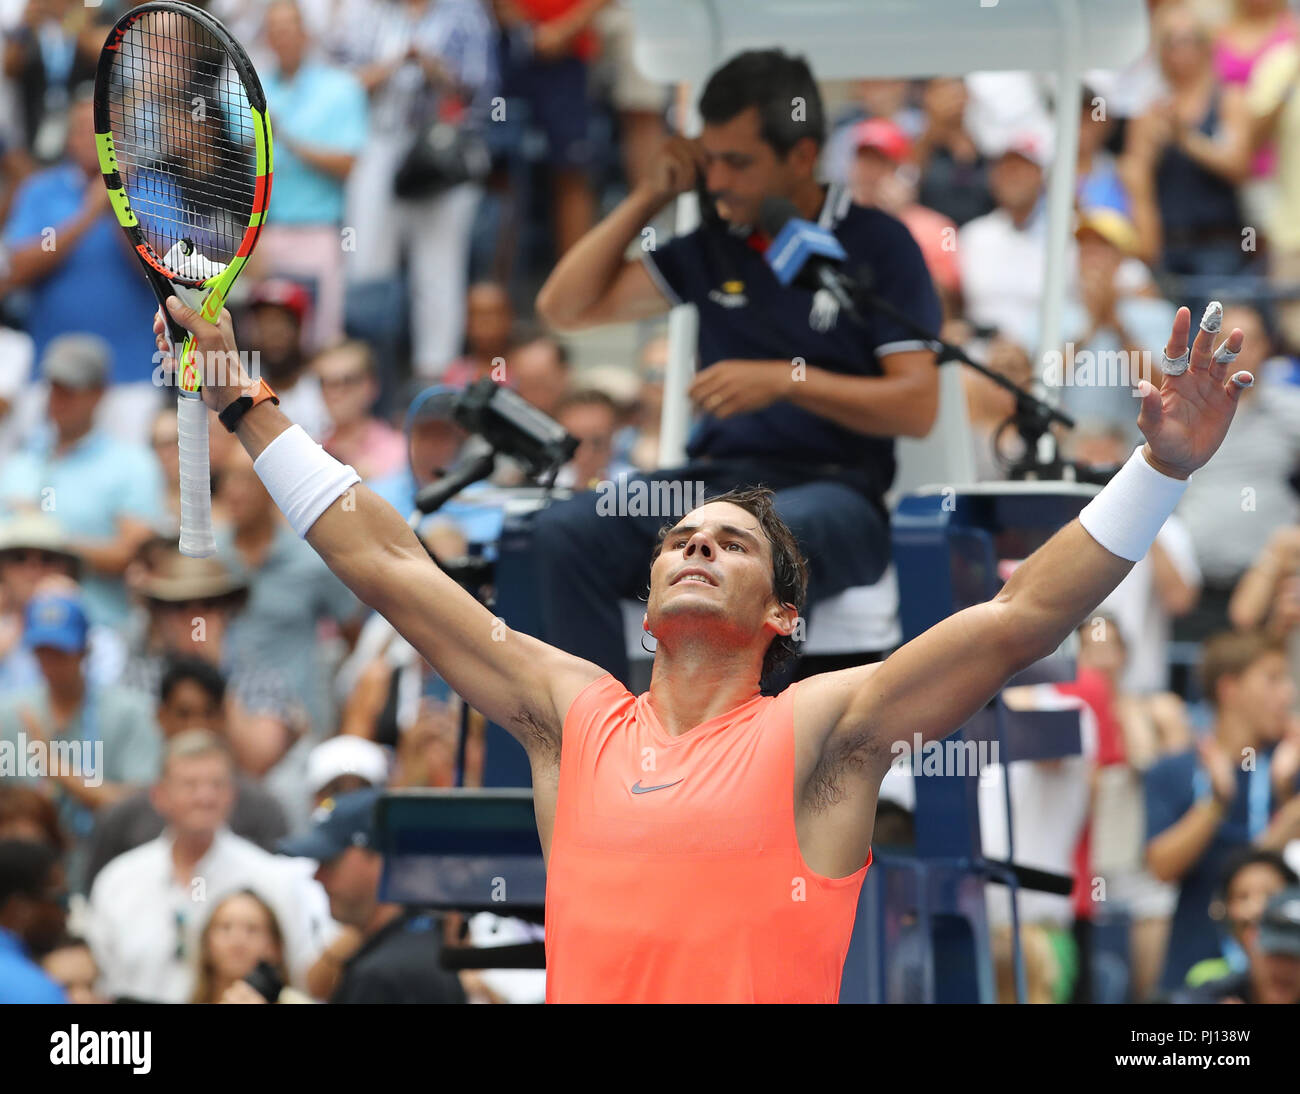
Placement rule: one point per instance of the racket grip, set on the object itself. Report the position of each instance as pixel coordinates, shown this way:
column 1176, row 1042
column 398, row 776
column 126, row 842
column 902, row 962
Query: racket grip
column 197, row 540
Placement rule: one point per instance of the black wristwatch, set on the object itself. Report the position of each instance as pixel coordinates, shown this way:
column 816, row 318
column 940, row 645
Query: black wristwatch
column 231, row 415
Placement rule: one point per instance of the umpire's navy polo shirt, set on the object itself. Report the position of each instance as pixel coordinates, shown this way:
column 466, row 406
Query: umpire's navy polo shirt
column 745, row 313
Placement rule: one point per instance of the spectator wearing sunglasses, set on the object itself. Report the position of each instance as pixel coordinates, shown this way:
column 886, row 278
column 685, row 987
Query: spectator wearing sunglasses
column 350, row 387
column 36, row 555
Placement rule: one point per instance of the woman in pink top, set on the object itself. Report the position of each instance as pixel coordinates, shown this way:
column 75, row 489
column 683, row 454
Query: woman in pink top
column 357, row 437
column 1254, row 28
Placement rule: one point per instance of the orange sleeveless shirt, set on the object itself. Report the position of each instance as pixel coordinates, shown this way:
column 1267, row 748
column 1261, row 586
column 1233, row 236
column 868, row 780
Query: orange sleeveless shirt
column 675, row 872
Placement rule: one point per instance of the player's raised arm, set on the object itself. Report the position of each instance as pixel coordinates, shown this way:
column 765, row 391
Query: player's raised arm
column 516, row 680
column 940, row 679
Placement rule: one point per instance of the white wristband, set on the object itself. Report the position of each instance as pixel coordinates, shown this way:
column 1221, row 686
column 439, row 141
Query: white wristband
column 302, row 478
column 1131, row 509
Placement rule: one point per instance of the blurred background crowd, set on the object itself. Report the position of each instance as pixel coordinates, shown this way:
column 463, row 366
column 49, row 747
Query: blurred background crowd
column 237, row 696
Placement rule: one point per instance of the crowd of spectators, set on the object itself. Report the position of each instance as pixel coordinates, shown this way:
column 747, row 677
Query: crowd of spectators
column 249, row 704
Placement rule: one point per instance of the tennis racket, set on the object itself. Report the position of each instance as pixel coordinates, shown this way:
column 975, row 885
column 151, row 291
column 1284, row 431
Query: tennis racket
column 185, row 147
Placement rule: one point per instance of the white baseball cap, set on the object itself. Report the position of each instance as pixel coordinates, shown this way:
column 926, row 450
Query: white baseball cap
column 346, row 755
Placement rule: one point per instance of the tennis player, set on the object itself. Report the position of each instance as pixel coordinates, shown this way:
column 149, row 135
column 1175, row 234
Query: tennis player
column 705, row 842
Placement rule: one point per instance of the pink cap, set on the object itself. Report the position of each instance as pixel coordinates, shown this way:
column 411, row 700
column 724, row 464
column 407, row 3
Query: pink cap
column 884, row 136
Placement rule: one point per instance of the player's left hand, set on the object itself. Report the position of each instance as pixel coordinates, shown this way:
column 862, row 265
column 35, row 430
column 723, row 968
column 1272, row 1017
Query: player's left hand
column 1186, row 417
column 741, row 387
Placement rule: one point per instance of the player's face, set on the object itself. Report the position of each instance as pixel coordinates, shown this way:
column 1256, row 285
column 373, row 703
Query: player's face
column 742, row 169
column 716, row 566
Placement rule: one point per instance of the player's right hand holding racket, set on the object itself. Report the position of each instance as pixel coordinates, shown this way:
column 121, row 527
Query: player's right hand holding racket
column 211, row 341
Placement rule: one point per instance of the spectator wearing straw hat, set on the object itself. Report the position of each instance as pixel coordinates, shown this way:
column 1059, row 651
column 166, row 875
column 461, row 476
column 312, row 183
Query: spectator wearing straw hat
column 1112, row 320
column 115, row 729
column 103, row 491
column 192, row 605
column 34, row 548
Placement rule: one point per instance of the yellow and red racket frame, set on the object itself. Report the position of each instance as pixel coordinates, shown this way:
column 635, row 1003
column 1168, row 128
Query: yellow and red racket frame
column 163, row 279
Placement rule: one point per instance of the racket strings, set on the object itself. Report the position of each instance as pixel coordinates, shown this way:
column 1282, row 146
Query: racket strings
column 183, row 135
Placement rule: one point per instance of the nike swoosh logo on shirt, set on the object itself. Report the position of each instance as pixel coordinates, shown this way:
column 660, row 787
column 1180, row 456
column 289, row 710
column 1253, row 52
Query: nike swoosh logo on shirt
column 637, row 788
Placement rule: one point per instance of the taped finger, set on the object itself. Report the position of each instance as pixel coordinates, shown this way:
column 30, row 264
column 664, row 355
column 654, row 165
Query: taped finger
column 1223, row 355
column 1174, row 366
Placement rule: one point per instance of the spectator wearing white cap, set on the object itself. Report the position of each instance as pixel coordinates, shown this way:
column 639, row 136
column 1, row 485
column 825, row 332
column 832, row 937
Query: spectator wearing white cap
column 343, row 764
column 1002, row 253
column 103, row 491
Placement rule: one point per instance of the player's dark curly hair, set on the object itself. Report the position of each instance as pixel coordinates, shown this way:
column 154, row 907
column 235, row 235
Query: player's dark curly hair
column 789, row 570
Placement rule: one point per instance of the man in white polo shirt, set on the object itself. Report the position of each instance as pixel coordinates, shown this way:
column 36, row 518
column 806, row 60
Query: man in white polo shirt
column 148, row 906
